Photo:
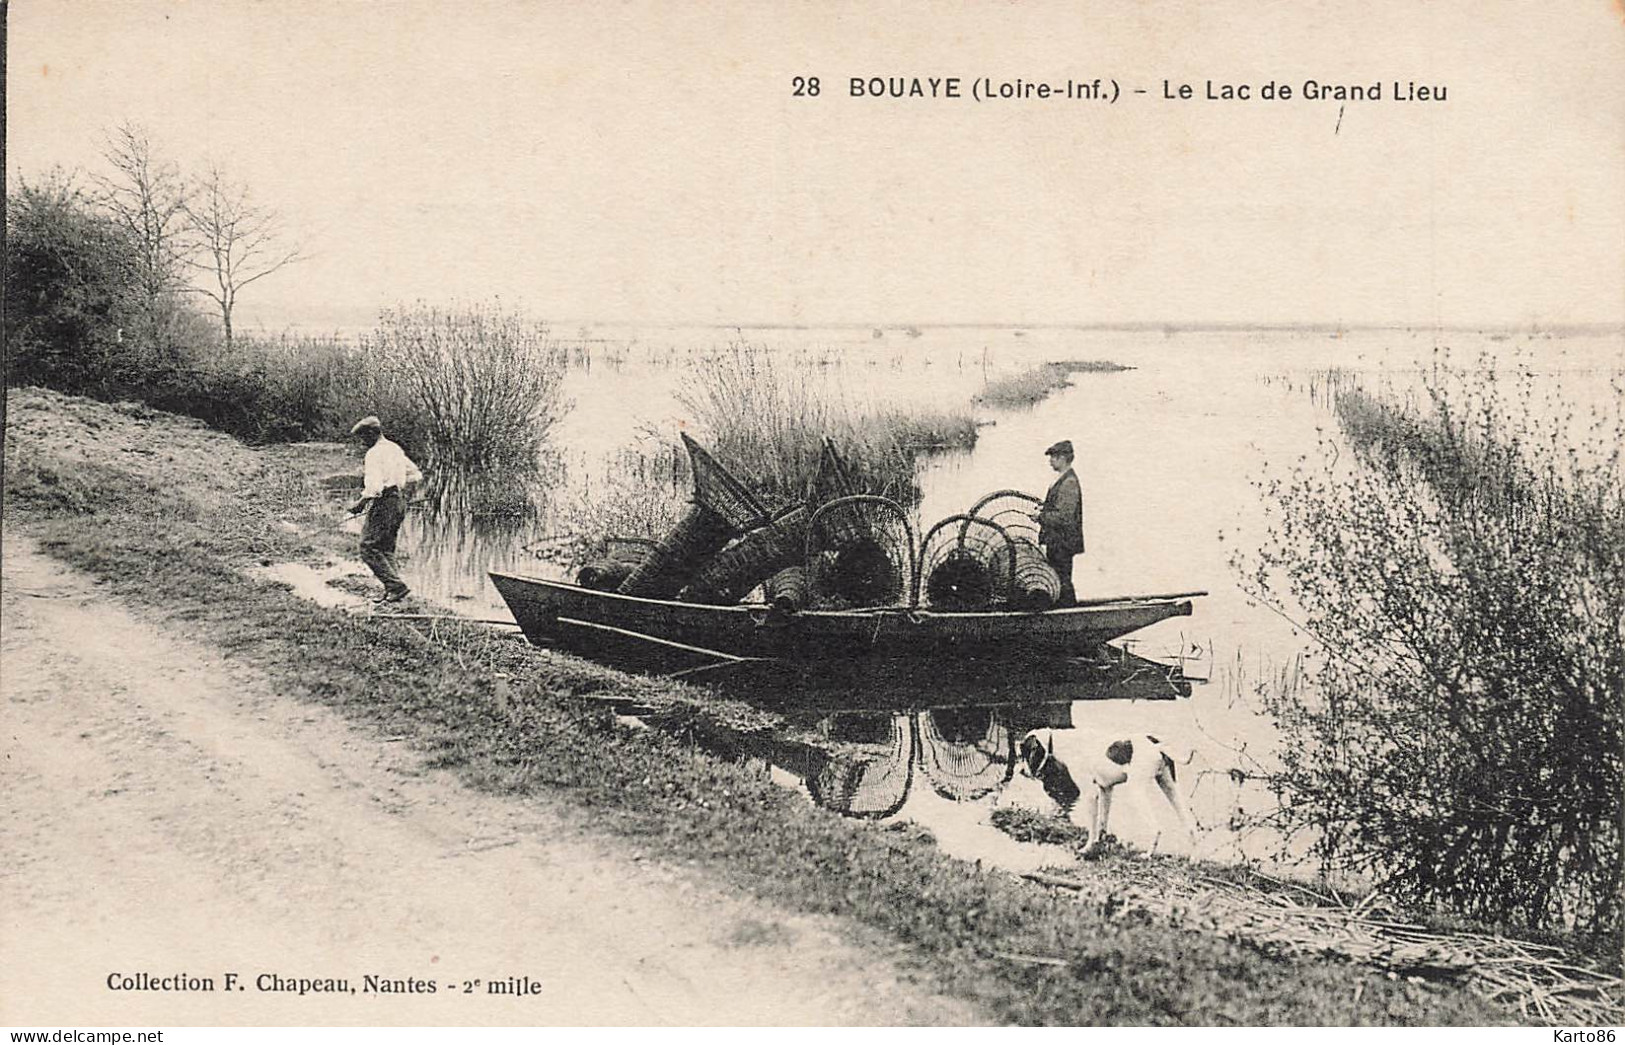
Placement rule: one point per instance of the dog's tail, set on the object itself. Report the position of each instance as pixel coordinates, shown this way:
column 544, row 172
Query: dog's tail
column 1186, row 752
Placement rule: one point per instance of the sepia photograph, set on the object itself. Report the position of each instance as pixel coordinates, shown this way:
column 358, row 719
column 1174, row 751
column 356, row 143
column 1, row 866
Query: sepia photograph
column 525, row 513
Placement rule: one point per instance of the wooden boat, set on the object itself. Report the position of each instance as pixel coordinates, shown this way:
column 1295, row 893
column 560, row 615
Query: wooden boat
column 556, row 613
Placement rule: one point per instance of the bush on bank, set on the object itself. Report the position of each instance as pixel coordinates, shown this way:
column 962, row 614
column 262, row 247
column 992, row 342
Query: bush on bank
column 1463, row 571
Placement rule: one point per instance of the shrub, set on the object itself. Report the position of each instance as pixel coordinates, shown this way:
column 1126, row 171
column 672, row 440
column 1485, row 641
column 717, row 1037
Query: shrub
column 69, row 277
column 1463, row 571
column 476, row 388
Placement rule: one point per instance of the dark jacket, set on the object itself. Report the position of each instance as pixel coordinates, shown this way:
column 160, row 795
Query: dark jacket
column 1060, row 520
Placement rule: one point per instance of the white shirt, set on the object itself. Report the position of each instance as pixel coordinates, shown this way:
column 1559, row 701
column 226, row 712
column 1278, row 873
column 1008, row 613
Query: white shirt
column 386, row 465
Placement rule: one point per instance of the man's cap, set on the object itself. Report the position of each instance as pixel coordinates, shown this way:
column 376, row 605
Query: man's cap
column 370, row 421
column 1062, row 447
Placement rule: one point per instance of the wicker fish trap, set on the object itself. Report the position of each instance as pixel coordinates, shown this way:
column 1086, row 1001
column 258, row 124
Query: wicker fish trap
column 1035, row 586
column 678, row 556
column 860, row 552
column 604, row 574
column 787, row 590
column 1011, row 509
column 966, row 564
column 733, row 572
column 834, row 478
column 719, row 491
column 621, row 556
column 966, row 753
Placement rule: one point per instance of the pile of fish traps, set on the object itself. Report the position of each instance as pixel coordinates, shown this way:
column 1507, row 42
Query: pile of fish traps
column 835, row 548
column 988, row 559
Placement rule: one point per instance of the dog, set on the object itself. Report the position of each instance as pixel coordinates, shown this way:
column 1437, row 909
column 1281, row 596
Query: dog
column 1065, row 762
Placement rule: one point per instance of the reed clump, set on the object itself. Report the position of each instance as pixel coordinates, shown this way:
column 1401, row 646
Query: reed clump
column 1463, row 571
column 766, row 421
column 1026, row 387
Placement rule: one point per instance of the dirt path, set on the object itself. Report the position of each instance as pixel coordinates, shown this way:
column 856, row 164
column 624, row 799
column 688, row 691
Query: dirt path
column 166, row 812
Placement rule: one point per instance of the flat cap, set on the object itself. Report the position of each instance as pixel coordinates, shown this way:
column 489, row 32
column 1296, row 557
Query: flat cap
column 370, row 421
column 1062, row 447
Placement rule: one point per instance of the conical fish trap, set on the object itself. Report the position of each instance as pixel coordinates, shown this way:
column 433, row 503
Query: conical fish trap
column 722, row 509
column 677, row 556
column 967, row 564
column 834, row 479
column 1012, row 510
column 787, row 590
column 740, row 567
column 621, row 556
column 1035, row 586
column 719, row 491
column 860, row 552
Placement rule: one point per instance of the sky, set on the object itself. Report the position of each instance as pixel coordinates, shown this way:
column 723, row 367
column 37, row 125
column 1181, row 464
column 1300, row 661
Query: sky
column 649, row 163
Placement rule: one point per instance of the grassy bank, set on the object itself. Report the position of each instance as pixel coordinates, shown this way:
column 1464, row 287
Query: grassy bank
column 172, row 535
column 1034, row 384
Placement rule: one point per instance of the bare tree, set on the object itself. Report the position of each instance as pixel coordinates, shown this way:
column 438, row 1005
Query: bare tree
column 147, row 198
column 238, row 241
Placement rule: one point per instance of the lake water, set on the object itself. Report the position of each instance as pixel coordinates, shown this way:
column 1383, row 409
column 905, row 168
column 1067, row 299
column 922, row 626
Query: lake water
column 1167, row 456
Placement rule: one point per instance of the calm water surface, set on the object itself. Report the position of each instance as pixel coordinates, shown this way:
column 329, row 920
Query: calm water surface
column 1167, row 456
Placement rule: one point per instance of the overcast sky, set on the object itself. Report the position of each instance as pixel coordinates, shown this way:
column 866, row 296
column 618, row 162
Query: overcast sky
column 648, row 163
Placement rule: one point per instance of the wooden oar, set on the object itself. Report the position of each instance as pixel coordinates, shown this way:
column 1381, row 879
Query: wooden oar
column 668, row 643
column 444, row 616
column 1135, row 598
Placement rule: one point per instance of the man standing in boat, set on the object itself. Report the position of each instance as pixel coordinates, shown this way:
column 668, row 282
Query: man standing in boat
column 1060, row 520
column 386, row 473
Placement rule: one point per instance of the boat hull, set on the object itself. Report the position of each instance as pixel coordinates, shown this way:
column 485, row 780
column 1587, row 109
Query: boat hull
column 554, row 613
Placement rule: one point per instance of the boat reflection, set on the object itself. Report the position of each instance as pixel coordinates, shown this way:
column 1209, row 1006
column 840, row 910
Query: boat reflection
column 874, row 762
column 867, row 765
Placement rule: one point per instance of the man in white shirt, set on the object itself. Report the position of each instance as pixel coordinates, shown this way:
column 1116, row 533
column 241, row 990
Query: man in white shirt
column 386, row 473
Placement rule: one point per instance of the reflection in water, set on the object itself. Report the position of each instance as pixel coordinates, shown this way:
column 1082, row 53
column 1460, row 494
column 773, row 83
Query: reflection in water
column 944, row 768
column 963, row 753
column 949, row 768
column 460, row 526
column 871, row 786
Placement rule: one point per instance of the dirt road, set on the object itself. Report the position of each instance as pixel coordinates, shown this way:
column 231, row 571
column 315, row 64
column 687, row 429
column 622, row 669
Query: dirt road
column 166, row 812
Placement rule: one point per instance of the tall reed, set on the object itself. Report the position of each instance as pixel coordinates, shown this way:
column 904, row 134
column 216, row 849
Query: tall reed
column 766, row 421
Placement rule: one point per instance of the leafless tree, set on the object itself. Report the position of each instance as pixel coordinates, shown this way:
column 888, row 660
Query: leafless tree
column 238, row 241
column 147, row 197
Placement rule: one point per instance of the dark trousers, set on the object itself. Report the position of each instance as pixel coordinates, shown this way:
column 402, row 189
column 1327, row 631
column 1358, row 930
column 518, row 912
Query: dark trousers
column 383, row 522
column 1061, row 563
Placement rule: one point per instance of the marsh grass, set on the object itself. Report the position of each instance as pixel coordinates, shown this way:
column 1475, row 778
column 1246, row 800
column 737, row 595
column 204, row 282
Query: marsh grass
column 765, row 421
column 1026, row 387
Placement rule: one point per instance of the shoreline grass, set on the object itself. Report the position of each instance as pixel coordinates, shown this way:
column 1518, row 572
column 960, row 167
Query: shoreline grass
column 1035, row 384
column 512, row 720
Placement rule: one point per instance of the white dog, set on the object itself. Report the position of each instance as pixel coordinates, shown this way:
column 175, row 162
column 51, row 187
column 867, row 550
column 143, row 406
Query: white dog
column 1064, row 761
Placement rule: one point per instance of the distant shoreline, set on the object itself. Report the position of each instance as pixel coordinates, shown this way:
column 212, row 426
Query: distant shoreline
column 915, row 329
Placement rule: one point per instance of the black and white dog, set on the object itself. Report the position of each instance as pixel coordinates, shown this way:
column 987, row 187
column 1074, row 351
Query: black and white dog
column 1066, row 762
